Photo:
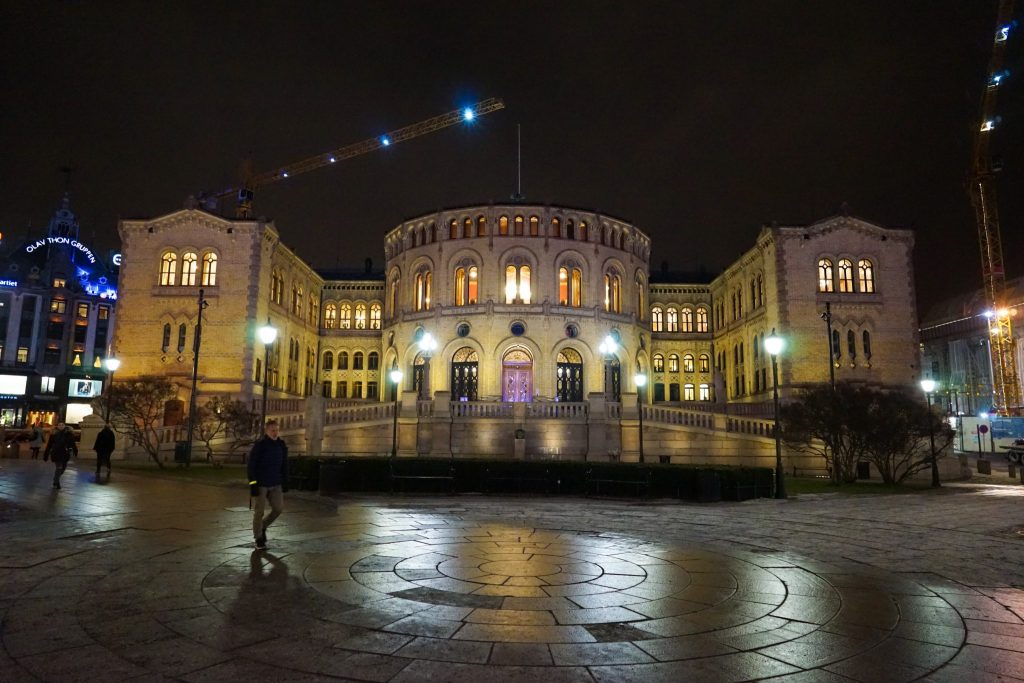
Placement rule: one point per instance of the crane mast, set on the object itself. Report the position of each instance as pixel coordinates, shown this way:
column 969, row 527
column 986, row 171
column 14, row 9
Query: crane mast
column 1005, row 382
column 250, row 181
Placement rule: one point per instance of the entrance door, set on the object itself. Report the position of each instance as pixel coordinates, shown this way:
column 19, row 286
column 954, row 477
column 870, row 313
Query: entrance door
column 569, row 376
column 517, row 377
column 465, row 373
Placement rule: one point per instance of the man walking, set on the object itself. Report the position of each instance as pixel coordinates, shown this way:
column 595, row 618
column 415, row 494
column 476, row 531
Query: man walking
column 268, row 480
column 60, row 447
column 104, row 446
column 36, row 442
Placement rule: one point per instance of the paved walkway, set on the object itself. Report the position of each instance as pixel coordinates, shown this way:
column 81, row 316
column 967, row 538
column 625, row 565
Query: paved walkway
column 145, row 579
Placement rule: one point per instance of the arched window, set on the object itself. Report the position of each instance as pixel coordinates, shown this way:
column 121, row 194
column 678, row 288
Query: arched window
column 612, row 292
column 360, row 316
column 688, row 393
column 702, row 319
column 432, row 232
column 866, row 343
column 467, row 285
column 276, row 287
column 657, row 319
column 357, row 360
column 569, row 376
column 503, row 225
column 760, row 291
column 182, row 332
column 467, row 227
column 373, row 360
column 686, row 319
column 705, row 392
column 375, row 316
column 825, row 283
column 556, row 228
column 704, row 363
column 672, row 320
column 297, row 299
column 393, row 296
column 570, row 230
column 328, row 360
column 582, row 233
column 534, row 226
column 570, row 284
column 481, row 226
column 688, row 365
column 345, row 321
column 453, row 230
column 845, row 272
column 753, row 293
column 168, row 268
column 658, row 362
column 517, row 284
column 421, row 302
column 851, row 344
column 189, row 268
column 865, row 276
column 330, row 316
column 209, row 278
column 673, row 363
column 313, row 309
column 518, row 225
column 837, row 351
column 343, row 360
column 165, row 341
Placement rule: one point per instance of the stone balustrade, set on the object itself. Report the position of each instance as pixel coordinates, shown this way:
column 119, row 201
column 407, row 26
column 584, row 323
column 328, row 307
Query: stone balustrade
column 678, row 416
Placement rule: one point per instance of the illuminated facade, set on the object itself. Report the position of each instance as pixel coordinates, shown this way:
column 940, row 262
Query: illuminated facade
column 57, row 310
column 519, row 300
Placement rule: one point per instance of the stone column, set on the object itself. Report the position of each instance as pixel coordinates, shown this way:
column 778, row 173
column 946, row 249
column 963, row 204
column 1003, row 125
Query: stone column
column 629, row 427
column 441, row 425
column 597, row 434
column 407, row 420
column 314, row 418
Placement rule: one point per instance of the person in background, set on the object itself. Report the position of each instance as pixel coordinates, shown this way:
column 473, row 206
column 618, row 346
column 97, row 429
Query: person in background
column 268, row 480
column 104, row 446
column 61, row 447
column 36, row 442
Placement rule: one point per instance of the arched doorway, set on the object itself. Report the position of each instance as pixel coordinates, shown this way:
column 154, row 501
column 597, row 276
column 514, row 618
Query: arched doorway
column 418, row 385
column 569, row 376
column 465, row 374
column 517, row 376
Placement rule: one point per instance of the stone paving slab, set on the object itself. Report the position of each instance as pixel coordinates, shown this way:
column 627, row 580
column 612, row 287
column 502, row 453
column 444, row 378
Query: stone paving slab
column 147, row 579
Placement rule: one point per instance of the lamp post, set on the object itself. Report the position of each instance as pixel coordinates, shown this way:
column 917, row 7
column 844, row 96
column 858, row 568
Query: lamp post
column 827, row 317
column 396, row 377
column 641, row 381
column 928, row 386
column 427, row 345
column 608, row 347
column 774, row 345
column 196, row 343
column 268, row 335
column 112, row 365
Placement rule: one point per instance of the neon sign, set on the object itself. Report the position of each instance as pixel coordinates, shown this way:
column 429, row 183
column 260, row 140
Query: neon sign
column 8, row 283
column 62, row 240
column 116, row 259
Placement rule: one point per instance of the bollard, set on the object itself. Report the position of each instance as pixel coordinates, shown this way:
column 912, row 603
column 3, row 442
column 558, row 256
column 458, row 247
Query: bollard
column 1012, row 469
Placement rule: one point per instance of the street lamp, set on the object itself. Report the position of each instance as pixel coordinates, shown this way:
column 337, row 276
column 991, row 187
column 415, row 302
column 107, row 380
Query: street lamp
column 640, row 380
column 112, row 365
column 928, row 386
column 427, row 345
column 268, row 335
column 774, row 345
column 608, row 347
column 396, row 378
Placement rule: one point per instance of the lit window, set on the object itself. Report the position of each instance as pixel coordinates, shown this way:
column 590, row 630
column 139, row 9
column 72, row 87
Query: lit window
column 48, row 384
column 22, row 354
column 168, row 268
column 360, row 316
column 503, row 225
column 345, row 321
column 686, row 319
column 570, row 284
column 688, row 365
column 374, row 316
column 866, row 276
column 825, row 283
column 704, row 363
column 103, row 313
column 672, row 320
column 534, row 226
column 845, row 272
column 659, row 362
column 702, row 320
column 60, row 282
column 705, row 392
column 393, row 296
column 467, row 227
column 612, row 293
column 466, row 285
column 422, row 292
column 189, row 267
column 481, row 226
column 453, row 230
column 83, row 310
column 673, row 363
column 519, row 225
column 209, row 278
column 582, row 232
column 313, row 311
column 657, row 319
column 688, row 394
column 517, row 284
column 330, row 316
column 58, row 305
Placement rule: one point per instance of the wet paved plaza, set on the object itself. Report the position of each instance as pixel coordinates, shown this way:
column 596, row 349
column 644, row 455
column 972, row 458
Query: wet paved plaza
column 146, row 579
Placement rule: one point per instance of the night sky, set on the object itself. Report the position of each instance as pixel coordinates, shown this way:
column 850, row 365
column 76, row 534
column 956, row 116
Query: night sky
column 697, row 121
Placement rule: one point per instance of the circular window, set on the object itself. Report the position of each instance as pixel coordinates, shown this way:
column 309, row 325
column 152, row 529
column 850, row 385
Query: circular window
column 418, row 334
column 616, row 336
column 518, row 329
column 572, row 331
column 462, row 329
column 14, row 267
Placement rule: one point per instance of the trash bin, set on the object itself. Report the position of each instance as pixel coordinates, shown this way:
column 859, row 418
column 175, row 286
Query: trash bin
column 181, row 454
column 863, row 470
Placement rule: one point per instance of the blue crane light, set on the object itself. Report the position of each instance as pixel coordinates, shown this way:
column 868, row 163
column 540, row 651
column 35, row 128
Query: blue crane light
column 331, row 159
column 467, row 114
column 385, row 140
column 284, row 174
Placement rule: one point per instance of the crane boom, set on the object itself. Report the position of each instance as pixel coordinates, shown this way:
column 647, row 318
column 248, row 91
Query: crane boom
column 251, row 181
column 1005, row 382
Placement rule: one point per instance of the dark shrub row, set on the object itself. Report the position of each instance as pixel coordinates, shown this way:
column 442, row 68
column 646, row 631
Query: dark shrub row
column 443, row 475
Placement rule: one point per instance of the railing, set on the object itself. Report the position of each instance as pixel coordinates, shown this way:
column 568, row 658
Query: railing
column 291, row 421
column 678, row 416
column 276, row 406
column 752, row 426
column 364, row 412
column 341, row 402
column 424, row 407
column 557, row 411
column 614, row 410
column 481, row 409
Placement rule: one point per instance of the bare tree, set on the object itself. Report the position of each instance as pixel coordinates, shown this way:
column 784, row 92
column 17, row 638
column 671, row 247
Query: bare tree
column 903, row 432
column 223, row 417
column 827, row 423
column 137, row 410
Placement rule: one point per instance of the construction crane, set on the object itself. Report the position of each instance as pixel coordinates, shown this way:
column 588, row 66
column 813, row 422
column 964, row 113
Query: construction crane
column 1005, row 382
column 251, row 181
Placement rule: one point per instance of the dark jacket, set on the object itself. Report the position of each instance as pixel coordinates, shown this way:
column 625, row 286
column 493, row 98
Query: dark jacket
column 61, row 446
column 268, row 462
column 104, row 441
